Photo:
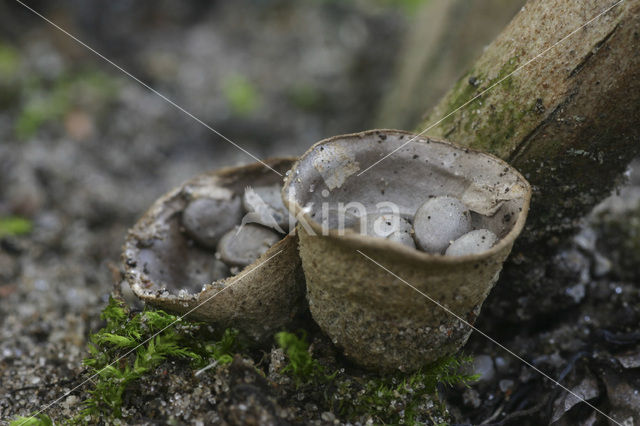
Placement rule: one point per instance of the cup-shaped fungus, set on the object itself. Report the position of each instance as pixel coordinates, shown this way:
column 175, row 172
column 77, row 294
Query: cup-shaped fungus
column 212, row 248
column 436, row 216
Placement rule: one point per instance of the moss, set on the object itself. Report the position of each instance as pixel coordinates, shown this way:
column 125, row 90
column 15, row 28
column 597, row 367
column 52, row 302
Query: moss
column 36, row 420
column 462, row 92
column 132, row 345
column 482, row 126
column 45, row 102
column 14, row 226
column 9, row 63
column 305, row 97
column 404, row 399
column 301, row 366
column 242, row 95
column 501, row 126
column 502, row 120
column 393, row 399
column 410, row 7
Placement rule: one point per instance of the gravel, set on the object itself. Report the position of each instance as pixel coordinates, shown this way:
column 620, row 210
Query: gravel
column 88, row 172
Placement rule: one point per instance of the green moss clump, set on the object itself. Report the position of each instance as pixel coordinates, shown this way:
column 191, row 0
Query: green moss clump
column 482, row 126
column 14, row 226
column 394, row 399
column 36, row 420
column 132, row 345
column 306, row 97
column 301, row 365
column 409, row 7
column 403, row 399
column 242, row 95
column 9, row 62
column 502, row 120
column 45, row 102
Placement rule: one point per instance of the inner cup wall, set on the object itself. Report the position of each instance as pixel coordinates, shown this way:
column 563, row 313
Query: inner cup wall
column 327, row 176
column 164, row 254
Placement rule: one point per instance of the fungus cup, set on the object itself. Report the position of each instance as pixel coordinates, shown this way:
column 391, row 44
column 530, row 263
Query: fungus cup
column 380, row 322
column 168, row 269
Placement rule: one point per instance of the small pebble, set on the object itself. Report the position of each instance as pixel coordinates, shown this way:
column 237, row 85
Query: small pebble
column 472, row 242
column 576, row 292
column 206, row 220
column 402, row 238
column 483, row 366
column 502, row 365
column 601, row 265
column 439, row 221
column 266, row 204
column 328, row 416
column 243, row 247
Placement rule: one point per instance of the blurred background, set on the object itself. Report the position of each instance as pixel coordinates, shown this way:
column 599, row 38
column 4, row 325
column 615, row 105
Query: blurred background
column 84, row 149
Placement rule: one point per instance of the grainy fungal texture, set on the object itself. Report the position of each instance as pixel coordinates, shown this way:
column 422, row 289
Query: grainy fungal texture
column 168, row 269
column 377, row 320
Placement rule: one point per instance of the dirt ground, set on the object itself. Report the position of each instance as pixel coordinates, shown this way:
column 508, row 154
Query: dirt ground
column 84, row 150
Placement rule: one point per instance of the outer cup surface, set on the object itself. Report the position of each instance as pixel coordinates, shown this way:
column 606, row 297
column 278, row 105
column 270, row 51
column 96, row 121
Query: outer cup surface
column 380, row 321
column 160, row 260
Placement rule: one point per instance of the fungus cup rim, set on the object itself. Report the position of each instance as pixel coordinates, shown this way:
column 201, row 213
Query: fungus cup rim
column 134, row 274
column 356, row 240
